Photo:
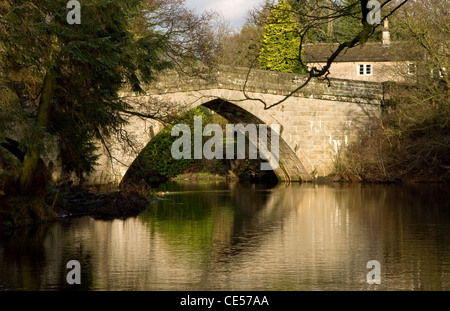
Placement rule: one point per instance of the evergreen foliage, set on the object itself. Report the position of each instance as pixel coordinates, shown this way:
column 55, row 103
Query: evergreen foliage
column 281, row 41
column 70, row 75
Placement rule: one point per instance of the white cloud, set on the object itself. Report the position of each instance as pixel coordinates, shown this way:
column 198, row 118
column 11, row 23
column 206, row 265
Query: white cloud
column 233, row 10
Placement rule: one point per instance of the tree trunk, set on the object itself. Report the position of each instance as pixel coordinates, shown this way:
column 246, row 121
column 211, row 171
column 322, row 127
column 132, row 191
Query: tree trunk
column 27, row 178
column 29, row 174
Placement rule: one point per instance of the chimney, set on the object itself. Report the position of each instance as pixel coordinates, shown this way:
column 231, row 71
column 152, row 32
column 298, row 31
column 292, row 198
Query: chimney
column 386, row 40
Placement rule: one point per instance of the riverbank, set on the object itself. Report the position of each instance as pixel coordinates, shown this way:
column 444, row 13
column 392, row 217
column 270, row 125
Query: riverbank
column 24, row 212
column 201, row 176
column 104, row 205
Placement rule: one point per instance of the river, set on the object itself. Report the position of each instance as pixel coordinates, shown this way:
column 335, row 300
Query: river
column 231, row 236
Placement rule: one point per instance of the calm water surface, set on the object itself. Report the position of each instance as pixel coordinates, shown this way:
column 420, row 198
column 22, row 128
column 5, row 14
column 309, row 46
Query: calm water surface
column 248, row 237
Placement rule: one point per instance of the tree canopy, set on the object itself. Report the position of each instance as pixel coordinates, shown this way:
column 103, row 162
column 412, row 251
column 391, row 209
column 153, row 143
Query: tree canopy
column 60, row 82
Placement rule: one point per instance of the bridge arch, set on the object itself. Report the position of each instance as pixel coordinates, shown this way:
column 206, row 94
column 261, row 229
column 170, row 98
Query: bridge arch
column 290, row 167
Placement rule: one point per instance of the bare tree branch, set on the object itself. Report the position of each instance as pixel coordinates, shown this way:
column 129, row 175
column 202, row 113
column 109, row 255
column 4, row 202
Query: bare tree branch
column 335, row 12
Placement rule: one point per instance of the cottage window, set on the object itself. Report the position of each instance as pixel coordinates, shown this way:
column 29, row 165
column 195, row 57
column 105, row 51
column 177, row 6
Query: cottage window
column 364, row 69
column 411, row 69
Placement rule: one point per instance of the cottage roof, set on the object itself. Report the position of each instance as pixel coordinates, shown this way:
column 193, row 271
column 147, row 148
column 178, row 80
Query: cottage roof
column 368, row 52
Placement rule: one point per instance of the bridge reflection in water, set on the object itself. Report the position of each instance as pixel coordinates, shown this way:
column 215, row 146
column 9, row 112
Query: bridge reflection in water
column 235, row 237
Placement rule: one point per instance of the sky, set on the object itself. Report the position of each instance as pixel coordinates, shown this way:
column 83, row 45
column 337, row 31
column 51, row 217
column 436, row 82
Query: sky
column 234, row 11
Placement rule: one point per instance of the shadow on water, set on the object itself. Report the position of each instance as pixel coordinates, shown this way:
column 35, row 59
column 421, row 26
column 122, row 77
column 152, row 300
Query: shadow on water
column 231, row 236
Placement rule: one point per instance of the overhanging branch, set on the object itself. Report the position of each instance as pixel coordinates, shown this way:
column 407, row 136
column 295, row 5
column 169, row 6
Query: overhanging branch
column 366, row 32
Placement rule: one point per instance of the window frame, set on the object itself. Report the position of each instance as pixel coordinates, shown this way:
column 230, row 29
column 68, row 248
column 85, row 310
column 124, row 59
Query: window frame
column 364, row 69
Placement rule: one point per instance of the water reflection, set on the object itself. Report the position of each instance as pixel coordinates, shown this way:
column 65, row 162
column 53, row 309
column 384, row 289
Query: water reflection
column 236, row 237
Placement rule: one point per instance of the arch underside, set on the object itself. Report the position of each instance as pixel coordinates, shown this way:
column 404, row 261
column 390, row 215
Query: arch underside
column 290, row 168
column 112, row 169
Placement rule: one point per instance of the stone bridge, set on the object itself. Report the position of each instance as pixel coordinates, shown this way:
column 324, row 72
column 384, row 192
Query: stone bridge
column 316, row 122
